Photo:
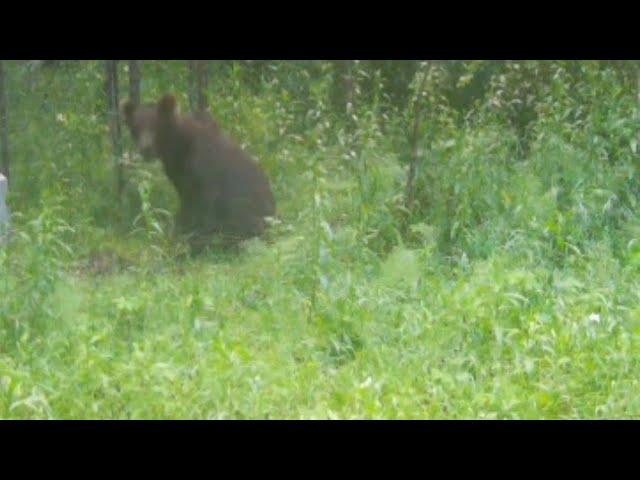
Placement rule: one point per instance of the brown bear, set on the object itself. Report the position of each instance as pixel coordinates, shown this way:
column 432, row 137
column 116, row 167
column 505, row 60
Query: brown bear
column 222, row 190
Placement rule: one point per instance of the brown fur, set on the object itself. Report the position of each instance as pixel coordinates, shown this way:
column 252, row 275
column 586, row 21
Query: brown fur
column 222, row 189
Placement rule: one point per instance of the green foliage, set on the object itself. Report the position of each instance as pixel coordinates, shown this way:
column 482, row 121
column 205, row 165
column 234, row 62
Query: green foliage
column 509, row 290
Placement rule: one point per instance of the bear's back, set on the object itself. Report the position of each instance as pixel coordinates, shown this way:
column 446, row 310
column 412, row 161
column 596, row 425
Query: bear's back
column 216, row 149
column 229, row 181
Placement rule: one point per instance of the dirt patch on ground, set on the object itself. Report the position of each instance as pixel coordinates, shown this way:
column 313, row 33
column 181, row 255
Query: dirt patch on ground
column 103, row 262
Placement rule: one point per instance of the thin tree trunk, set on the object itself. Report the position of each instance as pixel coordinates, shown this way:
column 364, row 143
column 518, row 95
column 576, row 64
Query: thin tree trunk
column 192, row 84
column 349, row 88
column 414, row 140
column 203, row 82
column 347, row 84
column 199, row 81
column 638, row 105
column 111, row 67
column 4, row 123
column 134, row 81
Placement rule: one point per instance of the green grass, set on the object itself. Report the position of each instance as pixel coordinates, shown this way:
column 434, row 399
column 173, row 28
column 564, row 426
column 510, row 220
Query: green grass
column 512, row 292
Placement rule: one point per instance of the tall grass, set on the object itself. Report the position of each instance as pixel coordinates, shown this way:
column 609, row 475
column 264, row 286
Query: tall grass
column 509, row 291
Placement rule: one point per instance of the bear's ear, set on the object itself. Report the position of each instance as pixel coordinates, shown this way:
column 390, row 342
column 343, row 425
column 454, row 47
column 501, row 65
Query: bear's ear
column 167, row 105
column 127, row 108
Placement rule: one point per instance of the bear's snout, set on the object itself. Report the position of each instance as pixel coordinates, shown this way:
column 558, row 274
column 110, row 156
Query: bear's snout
column 146, row 144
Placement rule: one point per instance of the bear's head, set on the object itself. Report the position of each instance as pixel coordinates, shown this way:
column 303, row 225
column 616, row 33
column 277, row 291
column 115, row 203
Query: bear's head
column 145, row 120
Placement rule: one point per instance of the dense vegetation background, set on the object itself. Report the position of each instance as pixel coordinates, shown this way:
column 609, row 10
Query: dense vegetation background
column 455, row 240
